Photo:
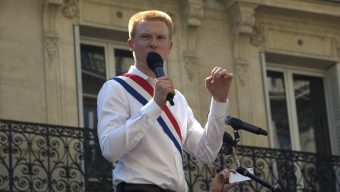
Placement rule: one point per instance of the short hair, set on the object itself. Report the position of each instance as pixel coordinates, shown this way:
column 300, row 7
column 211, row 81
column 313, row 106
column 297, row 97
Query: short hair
column 151, row 15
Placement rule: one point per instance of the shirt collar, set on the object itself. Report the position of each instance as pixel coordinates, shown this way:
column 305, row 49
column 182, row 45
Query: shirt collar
column 138, row 72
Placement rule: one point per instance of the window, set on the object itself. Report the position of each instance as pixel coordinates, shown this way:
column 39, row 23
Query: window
column 93, row 74
column 298, row 110
column 100, row 61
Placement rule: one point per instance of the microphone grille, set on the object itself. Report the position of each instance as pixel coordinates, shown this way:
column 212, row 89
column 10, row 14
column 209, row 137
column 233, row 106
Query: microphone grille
column 228, row 139
column 227, row 120
column 234, row 122
column 154, row 60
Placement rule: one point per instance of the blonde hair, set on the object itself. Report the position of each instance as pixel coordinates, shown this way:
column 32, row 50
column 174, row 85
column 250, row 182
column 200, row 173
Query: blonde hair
column 151, row 15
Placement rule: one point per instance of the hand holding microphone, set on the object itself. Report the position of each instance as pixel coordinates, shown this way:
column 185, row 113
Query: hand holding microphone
column 155, row 63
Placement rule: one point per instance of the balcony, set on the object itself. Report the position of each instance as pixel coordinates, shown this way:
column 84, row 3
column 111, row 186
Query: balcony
column 41, row 157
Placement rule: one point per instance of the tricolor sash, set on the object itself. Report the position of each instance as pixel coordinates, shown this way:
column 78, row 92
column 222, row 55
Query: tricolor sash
column 141, row 90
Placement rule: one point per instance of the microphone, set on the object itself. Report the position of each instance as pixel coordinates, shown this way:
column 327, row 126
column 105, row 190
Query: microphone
column 243, row 171
column 155, row 63
column 227, row 139
column 239, row 124
column 228, row 142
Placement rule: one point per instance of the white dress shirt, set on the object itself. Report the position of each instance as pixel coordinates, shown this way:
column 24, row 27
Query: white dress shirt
column 130, row 135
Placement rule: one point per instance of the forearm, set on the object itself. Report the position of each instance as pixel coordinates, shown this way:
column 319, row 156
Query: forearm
column 211, row 140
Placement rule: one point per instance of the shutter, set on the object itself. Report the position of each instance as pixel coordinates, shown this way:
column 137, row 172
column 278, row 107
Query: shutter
column 332, row 80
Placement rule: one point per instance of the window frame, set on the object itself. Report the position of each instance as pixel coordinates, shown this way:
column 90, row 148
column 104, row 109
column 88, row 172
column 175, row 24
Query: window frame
column 288, row 72
column 109, row 47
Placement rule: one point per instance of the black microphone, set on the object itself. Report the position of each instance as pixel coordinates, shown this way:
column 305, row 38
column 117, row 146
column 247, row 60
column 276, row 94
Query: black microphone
column 239, row 124
column 228, row 142
column 243, row 171
column 155, row 63
column 227, row 139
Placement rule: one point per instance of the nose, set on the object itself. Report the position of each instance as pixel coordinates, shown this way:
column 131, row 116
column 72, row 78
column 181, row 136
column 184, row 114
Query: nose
column 153, row 42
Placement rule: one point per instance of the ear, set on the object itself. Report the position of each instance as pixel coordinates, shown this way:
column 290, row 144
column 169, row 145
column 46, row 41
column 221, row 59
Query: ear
column 170, row 47
column 130, row 44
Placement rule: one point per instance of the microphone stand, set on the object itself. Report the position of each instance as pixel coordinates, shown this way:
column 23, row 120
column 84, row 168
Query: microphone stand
column 243, row 171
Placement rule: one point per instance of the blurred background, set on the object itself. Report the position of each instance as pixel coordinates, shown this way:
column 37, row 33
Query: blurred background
column 285, row 55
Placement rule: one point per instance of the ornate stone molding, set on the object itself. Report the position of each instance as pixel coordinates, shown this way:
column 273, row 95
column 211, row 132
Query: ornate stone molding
column 51, row 47
column 241, row 67
column 51, row 10
column 51, row 56
column 190, row 63
column 70, row 8
column 194, row 12
column 191, row 39
column 51, row 37
column 242, row 17
column 257, row 37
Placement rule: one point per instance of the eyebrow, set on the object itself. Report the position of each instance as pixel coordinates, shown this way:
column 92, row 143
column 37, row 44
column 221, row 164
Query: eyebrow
column 147, row 33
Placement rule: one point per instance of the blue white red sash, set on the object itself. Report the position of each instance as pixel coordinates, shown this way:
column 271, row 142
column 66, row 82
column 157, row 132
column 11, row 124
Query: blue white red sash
column 143, row 92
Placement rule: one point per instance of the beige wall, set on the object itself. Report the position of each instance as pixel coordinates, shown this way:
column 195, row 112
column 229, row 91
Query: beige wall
column 22, row 95
column 37, row 81
column 37, row 50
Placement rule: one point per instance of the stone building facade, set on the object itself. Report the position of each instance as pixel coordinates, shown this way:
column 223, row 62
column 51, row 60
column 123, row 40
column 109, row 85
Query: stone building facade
column 285, row 55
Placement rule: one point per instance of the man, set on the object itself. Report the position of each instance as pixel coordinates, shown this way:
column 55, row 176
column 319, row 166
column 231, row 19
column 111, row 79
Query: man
column 140, row 131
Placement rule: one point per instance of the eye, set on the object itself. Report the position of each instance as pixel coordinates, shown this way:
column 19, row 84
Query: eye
column 145, row 36
column 161, row 37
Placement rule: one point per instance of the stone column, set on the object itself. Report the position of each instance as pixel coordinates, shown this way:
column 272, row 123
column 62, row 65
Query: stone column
column 247, row 41
column 52, row 62
column 60, row 85
column 193, row 13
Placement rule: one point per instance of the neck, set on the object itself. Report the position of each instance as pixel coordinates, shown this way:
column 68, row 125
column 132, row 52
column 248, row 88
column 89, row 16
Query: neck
column 146, row 70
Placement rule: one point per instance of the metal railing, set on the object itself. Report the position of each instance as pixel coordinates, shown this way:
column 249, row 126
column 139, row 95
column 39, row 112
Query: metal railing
column 40, row 157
